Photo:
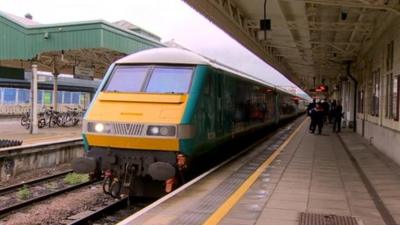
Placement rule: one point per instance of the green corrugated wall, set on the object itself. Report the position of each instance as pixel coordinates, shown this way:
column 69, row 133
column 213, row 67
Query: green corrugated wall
column 18, row 42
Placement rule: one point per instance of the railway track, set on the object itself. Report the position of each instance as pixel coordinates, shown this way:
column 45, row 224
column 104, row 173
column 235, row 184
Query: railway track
column 4, row 190
column 117, row 210
column 103, row 211
column 11, row 202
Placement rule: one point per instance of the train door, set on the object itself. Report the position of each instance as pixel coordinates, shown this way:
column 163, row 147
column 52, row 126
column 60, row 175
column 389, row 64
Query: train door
column 277, row 107
column 219, row 118
column 210, row 107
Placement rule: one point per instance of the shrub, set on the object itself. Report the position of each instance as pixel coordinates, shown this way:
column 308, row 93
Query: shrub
column 74, row 178
column 23, row 193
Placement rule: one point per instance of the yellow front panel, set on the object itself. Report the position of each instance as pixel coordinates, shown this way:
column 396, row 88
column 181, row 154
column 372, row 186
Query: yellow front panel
column 138, row 108
column 166, row 144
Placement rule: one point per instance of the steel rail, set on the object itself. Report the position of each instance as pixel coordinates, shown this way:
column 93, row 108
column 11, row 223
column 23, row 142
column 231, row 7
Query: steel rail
column 106, row 210
column 9, row 209
column 31, row 182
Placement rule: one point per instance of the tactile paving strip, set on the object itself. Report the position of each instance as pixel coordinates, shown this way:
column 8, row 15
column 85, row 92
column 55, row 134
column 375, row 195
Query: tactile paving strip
column 210, row 203
column 325, row 219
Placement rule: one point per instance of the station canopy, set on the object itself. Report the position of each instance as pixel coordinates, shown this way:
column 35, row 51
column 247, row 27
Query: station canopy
column 88, row 47
column 309, row 41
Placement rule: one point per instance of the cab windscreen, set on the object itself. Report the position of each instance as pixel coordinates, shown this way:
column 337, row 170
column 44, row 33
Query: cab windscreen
column 150, row 79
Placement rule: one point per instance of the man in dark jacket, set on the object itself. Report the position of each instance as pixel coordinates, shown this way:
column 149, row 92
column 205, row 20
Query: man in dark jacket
column 310, row 109
column 337, row 118
column 325, row 106
column 317, row 118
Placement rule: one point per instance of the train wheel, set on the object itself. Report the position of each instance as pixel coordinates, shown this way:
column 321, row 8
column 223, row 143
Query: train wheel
column 115, row 188
column 107, row 185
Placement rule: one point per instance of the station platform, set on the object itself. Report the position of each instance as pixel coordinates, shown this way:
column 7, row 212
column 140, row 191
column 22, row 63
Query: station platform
column 10, row 128
column 306, row 179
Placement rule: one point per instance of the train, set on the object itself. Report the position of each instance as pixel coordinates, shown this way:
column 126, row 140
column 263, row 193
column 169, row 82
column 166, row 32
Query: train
column 159, row 110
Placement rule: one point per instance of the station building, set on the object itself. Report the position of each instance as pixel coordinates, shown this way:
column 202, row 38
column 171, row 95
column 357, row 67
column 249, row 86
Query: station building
column 84, row 50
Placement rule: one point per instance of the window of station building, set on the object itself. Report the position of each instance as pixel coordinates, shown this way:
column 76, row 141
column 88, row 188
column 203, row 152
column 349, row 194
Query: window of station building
column 9, row 96
column 389, row 96
column 76, row 97
column 47, row 97
column 67, row 97
column 60, row 96
column 82, row 98
column 23, row 96
column 389, row 56
column 396, row 97
column 375, row 92
column 360, row 101
column 40, row 96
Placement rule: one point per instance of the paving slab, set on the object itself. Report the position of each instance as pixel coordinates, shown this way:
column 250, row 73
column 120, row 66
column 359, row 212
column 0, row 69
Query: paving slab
column 317, row 175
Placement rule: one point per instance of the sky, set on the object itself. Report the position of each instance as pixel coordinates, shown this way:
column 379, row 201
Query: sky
column 168, row 19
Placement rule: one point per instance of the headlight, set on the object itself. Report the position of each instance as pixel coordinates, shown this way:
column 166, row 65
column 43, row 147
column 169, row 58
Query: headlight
column 99, row 127
column 161, row 131
column 154, row 130
column 96, row 127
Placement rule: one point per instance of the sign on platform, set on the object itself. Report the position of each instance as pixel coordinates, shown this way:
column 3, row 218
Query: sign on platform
column 82, row 72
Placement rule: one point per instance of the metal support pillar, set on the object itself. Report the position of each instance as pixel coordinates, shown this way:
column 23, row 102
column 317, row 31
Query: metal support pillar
column 355, row 82
column 34, row 119
column 55, row 91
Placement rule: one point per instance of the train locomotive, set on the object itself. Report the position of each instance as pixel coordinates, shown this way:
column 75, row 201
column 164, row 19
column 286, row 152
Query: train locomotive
column 158, row 110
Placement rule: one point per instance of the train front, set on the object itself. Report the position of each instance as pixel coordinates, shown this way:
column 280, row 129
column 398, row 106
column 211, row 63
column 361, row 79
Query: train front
column 133, row 128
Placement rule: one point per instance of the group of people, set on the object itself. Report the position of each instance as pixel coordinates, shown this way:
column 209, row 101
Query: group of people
column 325, row 112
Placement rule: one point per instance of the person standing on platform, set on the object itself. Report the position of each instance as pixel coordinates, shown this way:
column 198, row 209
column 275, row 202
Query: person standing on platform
column 325, row 107
column 310, row 109
column 317, row 118
column 337, row 118
column 332, row 111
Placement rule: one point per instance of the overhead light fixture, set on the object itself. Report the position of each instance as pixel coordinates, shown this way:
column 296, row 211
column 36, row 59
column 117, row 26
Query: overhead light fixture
column 46, row 35
column 265, row 24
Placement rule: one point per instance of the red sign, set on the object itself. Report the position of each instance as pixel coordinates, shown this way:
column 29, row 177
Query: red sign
column 321, row 88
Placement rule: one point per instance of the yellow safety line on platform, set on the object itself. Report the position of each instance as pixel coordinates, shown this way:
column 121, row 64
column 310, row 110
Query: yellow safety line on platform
column 220, row 213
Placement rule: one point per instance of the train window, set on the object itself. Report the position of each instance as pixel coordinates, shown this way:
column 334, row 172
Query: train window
column 127, row 79
column 170, row 80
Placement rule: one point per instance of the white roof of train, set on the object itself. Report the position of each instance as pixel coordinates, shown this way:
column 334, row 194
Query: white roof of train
column 164, row 56
column 182, row 56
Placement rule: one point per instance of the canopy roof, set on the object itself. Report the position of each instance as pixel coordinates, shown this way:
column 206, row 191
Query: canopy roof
column 310, row 41
column 59, row 47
